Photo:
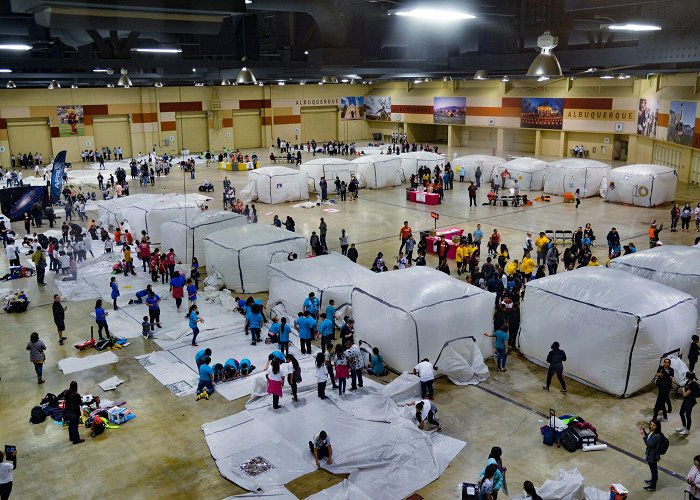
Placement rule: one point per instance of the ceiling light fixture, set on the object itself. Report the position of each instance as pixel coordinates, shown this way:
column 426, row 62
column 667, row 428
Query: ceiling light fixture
column 433, row 14
column 261, row 84
column 481, row 75
column 329, row 79
column 607, row 75
column 302, row 82
column 344, row 80
column 225, row 82
column 14, row 46
column 543, row 78
column 110, row 85
column 246, row 77
column 505, row 78
column 158, row 84
column 124, row 80
column 199, row 84
column 633, row 27
column 417, row 81
column 53, row 84
column 591, row 70
column 74, row 86
column 281, row 83
column 546, row 62
column 155, row 50
column 5, row 70
column 100, row 70
column 306, row 52
column 10, row 85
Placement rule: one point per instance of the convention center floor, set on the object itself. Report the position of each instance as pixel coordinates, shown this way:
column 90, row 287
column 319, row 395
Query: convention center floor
column 163, row 453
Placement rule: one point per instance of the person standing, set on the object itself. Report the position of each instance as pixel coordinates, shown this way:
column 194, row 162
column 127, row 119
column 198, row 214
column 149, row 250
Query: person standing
column 6, row 469
column 304, row 325
column 284, row 332
column 115, row 291
column 477, row 176
column 321, row 448
column 556, row 358
column 501, row 348
column 664, row 381
column 101, row 319
column 39, row 259
column 153, row 303
column 170, row 259
column 404, row 233
column 294, row 375
column 675, row 215
column 693, row 479
column 311, row 305
column 321, row 375
column 36, row 348
column 341, row 369
column 275, row 381
column 354, row 357
column 442, row 250
column 193, row 320
column 472, row 194
column 686, row 214
column 59, row 316
column 652, row 440
column 71, row 414
column 323, row 230
column 690, row 393
column 352, row 253
column 343, row 242
column 693, row 353
column 425, row 372
column 552, row 259
column 478, row 235
column 177, row 284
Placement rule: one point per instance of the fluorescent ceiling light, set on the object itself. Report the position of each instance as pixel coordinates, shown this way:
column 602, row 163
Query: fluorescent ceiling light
column 156, row 50
column 607, row 75
column 14, row 46
column 5, row 70
column 158, row 84
column 99, row 70
column 74, row 86
column 281, row 83
column 634, row 27
column 433, row 14
column 344, row 80
column 110, row 85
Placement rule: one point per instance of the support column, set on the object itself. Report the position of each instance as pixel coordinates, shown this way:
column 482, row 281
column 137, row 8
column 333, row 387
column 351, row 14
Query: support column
column 500, row 142
column 453, row 136
column 538, row 142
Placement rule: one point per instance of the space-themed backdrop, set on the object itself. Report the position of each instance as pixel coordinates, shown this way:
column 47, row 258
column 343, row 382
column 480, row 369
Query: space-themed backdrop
column 14, row 202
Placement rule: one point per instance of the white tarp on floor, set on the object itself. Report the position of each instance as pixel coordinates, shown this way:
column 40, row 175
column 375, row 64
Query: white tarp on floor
column 640, row 184
column 570, row 174
column 330, row 168
column 614, row 326
column 469, row 163
column 378, row 171
column 186, row 234
column 331, row 276
column 528, row 171
column 242, row 254
column 411, row 314
column 276, row 185
column 411, row 162
column 386, row 457
column 78, row 364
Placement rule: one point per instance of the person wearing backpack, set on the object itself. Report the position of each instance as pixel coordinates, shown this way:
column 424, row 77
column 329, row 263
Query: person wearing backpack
column 691, row 390
column 656, row 445
column 36, row 350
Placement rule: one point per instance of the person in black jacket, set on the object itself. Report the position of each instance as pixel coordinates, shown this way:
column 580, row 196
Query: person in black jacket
column 693, row 353
column 652, row 440
column 664, row 381
column 59, row 316
column 556, row 358
column 71, row 415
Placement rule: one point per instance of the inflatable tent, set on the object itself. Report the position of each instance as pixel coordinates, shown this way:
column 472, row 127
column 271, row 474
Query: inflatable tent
column 614, row 326
column 276, row 185
column 186, row 234
column 487, row 163
column 378, row 171
column 112, row 212
column 671, row 265
column 374, row 150
column 328, row 168
column 640, row 184
column 566, row 176
column 411, row 314
column 410, row 162
column 149, row 214
column 528, row 171
column 331, row 276
column 242, row 254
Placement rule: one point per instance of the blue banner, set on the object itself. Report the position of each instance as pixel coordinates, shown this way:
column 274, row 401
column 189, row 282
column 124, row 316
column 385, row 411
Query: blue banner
column 59, row 165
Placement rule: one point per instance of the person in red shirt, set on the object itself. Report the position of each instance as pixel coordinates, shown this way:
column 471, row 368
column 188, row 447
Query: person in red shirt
column 170, row 259
column 129, row 237
column 177, row 284
column 404, row 234
column 153, row 264
column 144, row 253
column 442, row 248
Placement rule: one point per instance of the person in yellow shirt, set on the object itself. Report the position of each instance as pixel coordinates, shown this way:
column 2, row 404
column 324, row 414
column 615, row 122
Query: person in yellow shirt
column 512, row 267
column 594, row 261
column 460, row 255
column 542, row 244
column 527, row 266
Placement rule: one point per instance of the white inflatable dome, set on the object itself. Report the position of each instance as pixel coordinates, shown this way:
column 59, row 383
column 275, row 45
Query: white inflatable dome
column 241, row 255
column 276, row 185
column 331, row 276
column 149, row 214
column 528, row 171
column 328, row 168
column 110, row 212
column 379, row 171
column 410, row 314
column 186, row 234
column 373, row 150
column 470, row 162
column 410, row 162
column 672, row 265
column 640, row 184
column 568, row 175
column 614, row 326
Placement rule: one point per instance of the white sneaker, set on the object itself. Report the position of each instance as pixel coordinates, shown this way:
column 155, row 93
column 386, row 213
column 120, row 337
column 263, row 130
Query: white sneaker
column 663, row 419
column 684, row 432
column 680, row 429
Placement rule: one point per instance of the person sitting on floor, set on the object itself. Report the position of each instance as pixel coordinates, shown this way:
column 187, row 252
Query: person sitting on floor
column 376, row 364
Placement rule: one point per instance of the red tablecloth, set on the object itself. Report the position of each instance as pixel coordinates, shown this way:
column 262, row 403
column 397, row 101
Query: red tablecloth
column 431, row 241
column 424, row 197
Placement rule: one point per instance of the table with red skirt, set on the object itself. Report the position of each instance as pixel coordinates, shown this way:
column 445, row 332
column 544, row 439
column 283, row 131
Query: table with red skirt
column 423, row 197
column 431, row 241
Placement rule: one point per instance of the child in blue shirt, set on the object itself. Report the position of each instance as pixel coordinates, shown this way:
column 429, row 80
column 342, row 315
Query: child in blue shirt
column 230, row 369
column 501, row 348
column 255, row 321
column 285, row 330
column 191, row 293
column 115, row 291
column 206, row 380
column 326, row 331
column 273, row 332
column 201, row 356
column 240, row 305
column 146, row 328
column 246, row 367
column 330, row 313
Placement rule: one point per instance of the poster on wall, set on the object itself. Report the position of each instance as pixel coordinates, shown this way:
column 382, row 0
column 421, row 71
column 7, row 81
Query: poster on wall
column 352, row 108
column 70, row 120
column 647, row 117
column 16, row 201
column 681, row 122
column 378, row 108
column 450, row 110
column 537, row 112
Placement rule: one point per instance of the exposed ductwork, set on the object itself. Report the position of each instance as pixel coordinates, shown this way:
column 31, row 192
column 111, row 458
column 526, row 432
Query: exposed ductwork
column 326, row 14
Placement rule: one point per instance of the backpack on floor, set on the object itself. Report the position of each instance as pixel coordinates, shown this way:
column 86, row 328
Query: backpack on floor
column 37, row 415
column 663, row 444
column 568, row 441
column 103, row 344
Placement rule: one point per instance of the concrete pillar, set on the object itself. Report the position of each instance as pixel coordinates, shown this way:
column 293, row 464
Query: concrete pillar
column 538, row 142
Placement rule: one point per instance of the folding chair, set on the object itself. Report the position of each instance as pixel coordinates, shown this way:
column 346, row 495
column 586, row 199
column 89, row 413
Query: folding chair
column 549, row 234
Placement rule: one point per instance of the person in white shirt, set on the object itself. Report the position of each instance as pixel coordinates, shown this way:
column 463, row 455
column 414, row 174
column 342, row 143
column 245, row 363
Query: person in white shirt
column 109, row 244
column 12, row 254
column 527, row 244
column 275, row 380
column 6, row 469
column 321, row 376
column 426, row 411
column 426, row 373
column 321, row 448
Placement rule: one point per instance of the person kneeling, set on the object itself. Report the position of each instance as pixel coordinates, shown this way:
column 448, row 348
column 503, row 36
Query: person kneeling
column 205, row 388
column 321, row 448
column 426, row 410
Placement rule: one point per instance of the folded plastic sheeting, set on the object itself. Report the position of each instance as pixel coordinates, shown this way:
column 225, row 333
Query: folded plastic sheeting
column 341, row 491
column 614, row 326
column 384, row 459
column 568, row 485
column 74, row 364
column 280, row 493
column 461, row 360
column 110, row 384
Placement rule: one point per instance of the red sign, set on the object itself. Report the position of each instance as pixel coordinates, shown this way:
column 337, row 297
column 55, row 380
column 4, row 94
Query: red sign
column 434, row 215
